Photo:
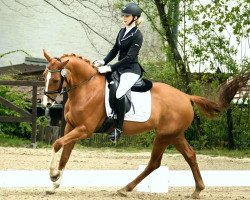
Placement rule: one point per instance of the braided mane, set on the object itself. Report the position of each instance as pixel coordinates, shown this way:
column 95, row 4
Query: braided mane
column 76, row 56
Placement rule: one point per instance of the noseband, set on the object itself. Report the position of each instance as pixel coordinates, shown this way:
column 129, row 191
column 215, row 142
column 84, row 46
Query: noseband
column 60, row 89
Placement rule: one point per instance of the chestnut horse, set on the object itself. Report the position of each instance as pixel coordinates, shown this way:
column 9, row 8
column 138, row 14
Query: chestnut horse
column 171, row 115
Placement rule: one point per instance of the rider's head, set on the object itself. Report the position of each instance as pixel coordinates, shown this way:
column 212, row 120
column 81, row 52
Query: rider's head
column 131, row 12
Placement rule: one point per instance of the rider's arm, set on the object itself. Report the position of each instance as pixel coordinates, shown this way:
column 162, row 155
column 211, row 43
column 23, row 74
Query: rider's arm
column 113, row 52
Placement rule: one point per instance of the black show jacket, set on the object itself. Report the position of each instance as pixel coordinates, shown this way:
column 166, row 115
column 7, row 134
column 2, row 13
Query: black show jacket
column 128, row 47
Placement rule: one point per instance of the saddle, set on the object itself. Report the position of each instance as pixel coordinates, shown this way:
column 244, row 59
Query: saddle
column 142, row 85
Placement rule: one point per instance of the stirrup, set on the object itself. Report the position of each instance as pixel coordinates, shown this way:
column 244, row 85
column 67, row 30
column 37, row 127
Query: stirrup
column 115, row 135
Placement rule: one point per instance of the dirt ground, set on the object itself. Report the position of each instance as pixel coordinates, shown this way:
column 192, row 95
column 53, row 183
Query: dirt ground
column 84, row 159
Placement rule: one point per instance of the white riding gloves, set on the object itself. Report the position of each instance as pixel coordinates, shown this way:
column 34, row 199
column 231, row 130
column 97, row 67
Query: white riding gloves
column 101, row 68
column 98, row 63
column 104, row 69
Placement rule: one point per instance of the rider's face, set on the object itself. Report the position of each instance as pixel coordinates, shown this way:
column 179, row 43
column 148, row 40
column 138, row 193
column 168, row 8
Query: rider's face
column 127, row 19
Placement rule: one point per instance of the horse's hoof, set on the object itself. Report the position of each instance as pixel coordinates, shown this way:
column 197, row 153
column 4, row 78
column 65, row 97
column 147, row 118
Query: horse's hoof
column 54, row 178
column 195, row 195
column 122, row 192
column 55, row 175
column 50, row 191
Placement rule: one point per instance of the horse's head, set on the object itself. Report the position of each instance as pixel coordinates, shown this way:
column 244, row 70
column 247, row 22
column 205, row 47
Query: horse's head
column 54, row 76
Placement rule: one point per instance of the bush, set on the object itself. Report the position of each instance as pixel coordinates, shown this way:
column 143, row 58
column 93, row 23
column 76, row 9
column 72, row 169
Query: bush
column 215, row 133
column 241, row 125
column 19, row 99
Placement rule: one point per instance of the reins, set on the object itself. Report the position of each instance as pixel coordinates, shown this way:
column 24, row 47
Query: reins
column 75, row 86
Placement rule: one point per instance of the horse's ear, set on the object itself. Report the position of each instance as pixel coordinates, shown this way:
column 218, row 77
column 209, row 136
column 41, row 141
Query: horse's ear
column 64, row 63
column 48, row 58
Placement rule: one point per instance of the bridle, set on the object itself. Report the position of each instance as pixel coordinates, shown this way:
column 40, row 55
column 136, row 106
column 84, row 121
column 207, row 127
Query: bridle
column 60, row 90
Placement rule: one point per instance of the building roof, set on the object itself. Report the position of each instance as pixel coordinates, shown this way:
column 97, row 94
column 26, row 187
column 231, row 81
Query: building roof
column 31, row 65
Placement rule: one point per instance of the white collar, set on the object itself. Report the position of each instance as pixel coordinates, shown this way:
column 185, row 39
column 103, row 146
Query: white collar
column 129, row 28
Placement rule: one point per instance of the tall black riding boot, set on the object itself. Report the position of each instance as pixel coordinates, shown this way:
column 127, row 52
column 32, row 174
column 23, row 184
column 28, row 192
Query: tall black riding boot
column 114, row 136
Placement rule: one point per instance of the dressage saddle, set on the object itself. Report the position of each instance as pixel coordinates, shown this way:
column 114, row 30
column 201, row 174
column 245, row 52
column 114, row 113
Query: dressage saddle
column 142, row 85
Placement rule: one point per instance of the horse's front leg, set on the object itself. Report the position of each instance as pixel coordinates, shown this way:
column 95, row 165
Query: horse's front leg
column 67, row 142
column 56, row 172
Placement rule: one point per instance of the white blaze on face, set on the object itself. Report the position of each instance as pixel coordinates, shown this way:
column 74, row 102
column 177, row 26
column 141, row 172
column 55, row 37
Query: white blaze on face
column 45, row 98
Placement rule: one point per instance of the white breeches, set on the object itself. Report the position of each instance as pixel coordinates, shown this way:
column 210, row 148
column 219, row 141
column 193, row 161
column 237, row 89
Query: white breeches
column 127, row 80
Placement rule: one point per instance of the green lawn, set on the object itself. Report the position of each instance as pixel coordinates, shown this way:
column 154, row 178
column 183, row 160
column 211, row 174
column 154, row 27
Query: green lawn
column 13, row 141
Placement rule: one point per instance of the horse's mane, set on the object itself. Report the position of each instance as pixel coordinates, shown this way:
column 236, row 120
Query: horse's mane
column 72, row 55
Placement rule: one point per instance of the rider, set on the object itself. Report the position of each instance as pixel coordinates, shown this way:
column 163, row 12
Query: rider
column 128, row 44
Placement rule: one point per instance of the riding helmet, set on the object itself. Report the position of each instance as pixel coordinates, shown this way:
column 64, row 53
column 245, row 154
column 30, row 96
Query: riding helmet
column 131, row 9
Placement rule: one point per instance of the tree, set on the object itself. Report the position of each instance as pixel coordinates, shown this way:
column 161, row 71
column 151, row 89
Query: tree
column 15, row 51
column 207, row 33
column 216, row 31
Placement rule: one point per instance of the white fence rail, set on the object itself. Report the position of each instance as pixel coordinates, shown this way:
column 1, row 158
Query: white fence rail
column 158, row 181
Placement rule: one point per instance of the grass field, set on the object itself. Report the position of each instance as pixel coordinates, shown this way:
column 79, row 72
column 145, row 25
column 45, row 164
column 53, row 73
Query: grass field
column 13, row 141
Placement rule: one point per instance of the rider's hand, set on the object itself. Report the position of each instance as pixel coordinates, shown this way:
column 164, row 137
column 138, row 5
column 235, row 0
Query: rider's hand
column 104, row 69
column 98, row 63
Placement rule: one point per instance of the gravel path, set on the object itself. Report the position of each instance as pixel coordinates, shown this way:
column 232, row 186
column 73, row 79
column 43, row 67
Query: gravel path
column 84, row 159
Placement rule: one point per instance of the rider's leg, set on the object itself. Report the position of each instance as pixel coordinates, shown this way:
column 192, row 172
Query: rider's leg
column 127, row 80
column 120, row 112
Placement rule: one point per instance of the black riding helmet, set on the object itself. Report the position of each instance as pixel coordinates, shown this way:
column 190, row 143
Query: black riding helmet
column 131, row 9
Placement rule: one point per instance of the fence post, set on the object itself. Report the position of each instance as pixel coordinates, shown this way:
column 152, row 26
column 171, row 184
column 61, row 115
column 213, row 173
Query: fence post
column 25, row 116
column 34, row 115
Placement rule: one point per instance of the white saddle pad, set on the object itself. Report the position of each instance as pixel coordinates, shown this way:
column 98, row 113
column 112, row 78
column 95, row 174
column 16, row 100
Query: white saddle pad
column 142, row 106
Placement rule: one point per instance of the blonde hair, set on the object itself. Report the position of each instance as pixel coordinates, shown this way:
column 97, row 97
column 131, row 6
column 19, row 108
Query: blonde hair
column 138, row 21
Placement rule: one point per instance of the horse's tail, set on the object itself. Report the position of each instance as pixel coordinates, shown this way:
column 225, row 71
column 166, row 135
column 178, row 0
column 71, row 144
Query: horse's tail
column 226, row 94
column 210, row 108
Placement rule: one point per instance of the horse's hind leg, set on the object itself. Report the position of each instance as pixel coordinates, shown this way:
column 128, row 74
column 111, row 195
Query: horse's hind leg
column 190, row 156
column 159, row 146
